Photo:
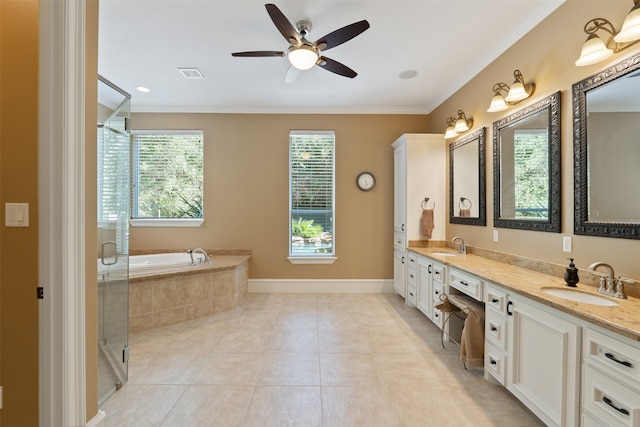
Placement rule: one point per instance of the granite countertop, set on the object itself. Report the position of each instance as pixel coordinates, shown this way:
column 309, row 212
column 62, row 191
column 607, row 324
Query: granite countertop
column 623, row 319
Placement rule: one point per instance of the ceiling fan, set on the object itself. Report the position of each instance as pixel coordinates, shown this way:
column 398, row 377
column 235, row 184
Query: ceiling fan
column 304, row 54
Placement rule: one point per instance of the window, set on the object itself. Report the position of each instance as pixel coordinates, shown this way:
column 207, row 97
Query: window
column 311, row 196
column 167, row 177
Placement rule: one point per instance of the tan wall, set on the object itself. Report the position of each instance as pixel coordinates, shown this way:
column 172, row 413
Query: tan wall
column 546, row 55
column 19, row 184
column 91, row 221
column 247, row 188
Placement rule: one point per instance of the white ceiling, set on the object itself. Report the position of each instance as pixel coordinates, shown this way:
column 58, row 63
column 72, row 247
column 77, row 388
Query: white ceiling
column 144, row 42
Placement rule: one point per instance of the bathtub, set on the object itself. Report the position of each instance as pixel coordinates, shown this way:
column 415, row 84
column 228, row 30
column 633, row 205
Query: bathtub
column 153, row 261
column 165, row 288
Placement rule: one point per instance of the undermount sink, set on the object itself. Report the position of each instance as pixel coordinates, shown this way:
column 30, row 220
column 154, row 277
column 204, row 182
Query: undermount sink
column 444, row 254
column 578, row 296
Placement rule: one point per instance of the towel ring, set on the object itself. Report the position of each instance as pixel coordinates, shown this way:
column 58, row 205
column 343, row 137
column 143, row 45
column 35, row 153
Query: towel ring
column 461, row 205
column 425, row 203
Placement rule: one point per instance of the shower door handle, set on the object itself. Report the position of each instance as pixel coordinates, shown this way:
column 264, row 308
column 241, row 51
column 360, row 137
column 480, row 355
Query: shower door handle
column 115, row 251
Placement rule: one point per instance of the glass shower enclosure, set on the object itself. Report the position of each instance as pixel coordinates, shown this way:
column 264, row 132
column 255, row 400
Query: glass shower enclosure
column 114, row 142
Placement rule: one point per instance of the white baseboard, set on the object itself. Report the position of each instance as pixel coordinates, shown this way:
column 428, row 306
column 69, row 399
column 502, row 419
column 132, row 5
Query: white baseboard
column 98, row 420
column 334, row 286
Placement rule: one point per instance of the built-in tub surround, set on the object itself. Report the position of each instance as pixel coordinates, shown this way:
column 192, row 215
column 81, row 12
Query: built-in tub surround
column 171, row 294
column 530, row 277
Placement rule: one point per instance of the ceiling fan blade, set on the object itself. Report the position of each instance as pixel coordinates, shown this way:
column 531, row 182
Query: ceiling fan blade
column 336, row 67
column 292, row 74
column 342, row 35
column 283, row 24
column 258, row 53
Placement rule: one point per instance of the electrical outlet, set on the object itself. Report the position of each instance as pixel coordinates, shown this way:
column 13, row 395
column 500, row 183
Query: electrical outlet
column 567, row 244
column 495, row 235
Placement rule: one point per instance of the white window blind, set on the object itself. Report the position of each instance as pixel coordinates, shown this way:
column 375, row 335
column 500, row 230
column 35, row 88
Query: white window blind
column 113, row 174
column 167, row 174
column 311, row 189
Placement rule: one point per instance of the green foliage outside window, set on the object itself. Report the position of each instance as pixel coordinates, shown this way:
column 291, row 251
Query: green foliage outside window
column 167, row 175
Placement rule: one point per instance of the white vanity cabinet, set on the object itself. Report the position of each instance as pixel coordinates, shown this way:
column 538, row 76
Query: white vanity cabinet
column 495, row 333
column 419, row 173
column 411, row 297
column 543, row 360
column 610, row 380
column 430, row 287
column 400, row 272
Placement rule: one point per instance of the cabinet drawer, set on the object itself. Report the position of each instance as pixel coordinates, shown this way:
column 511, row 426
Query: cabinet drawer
column 609, row 400
column 411, row 295
column 465, row 283
column 495, row 329
column 437, row 270
column 412, row 260
column 411, row 275
column 437, row 318
column 495, row 363
column 399, row 240
column 613, row 356
column 438, row 289
column 495, row 298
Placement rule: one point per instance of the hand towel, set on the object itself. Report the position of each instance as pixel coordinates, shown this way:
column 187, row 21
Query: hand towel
column 472, row 342
column 427, row 223
column 465, row 212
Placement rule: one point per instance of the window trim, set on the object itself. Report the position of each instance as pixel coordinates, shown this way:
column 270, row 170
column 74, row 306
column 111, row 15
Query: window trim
column 315, row 258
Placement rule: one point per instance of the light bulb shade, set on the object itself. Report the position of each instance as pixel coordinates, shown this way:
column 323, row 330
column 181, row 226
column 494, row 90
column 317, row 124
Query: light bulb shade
column 593, row 50
column 303, row 57
column 461, row 125
column 497, row 104
column 630, row 30
column 450, row 133
column 516, row 93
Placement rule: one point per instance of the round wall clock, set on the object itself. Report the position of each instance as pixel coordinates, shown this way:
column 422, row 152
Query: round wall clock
column 366, row 181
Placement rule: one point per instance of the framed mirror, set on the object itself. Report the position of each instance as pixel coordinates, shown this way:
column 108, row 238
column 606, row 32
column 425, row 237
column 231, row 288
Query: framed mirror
column 526, row 168
column 606, row 149
column 467, row 198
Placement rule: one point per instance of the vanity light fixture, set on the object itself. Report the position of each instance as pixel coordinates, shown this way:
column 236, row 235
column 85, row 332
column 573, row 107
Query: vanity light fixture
column 595, row 49
column 456, row 126
column 450, row 132
column 518, row 91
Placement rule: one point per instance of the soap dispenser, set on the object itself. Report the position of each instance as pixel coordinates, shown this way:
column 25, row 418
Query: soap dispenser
column 571, row 275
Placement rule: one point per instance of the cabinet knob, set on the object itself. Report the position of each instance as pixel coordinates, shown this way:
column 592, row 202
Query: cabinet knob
column 493, row 362
column 495, row 300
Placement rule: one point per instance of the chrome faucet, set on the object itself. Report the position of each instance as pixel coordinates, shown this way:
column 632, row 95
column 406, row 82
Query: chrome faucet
column 610, row 285
column 462, row 248
column 207, row 258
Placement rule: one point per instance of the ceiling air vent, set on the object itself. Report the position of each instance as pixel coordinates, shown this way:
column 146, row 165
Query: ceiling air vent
column 191, row 73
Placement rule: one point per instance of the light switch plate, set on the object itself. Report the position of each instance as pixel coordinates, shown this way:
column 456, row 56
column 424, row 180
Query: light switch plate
column 495, row 235
column 567, row 245
column 16, row 214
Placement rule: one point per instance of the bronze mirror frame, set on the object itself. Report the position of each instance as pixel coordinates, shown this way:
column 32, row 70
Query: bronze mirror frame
column 481, row 219
column 582, row 225
column 552, row 223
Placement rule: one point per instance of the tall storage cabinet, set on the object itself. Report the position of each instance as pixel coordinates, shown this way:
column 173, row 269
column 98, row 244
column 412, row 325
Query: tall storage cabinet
column 419, row 162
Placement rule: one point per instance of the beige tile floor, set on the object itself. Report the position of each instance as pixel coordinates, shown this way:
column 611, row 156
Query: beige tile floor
column 307, row 360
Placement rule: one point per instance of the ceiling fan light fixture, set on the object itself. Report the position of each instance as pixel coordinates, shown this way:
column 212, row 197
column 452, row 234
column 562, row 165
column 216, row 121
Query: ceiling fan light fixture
column 303, row 57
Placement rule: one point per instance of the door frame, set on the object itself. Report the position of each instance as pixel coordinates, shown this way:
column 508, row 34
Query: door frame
column 61, row 198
